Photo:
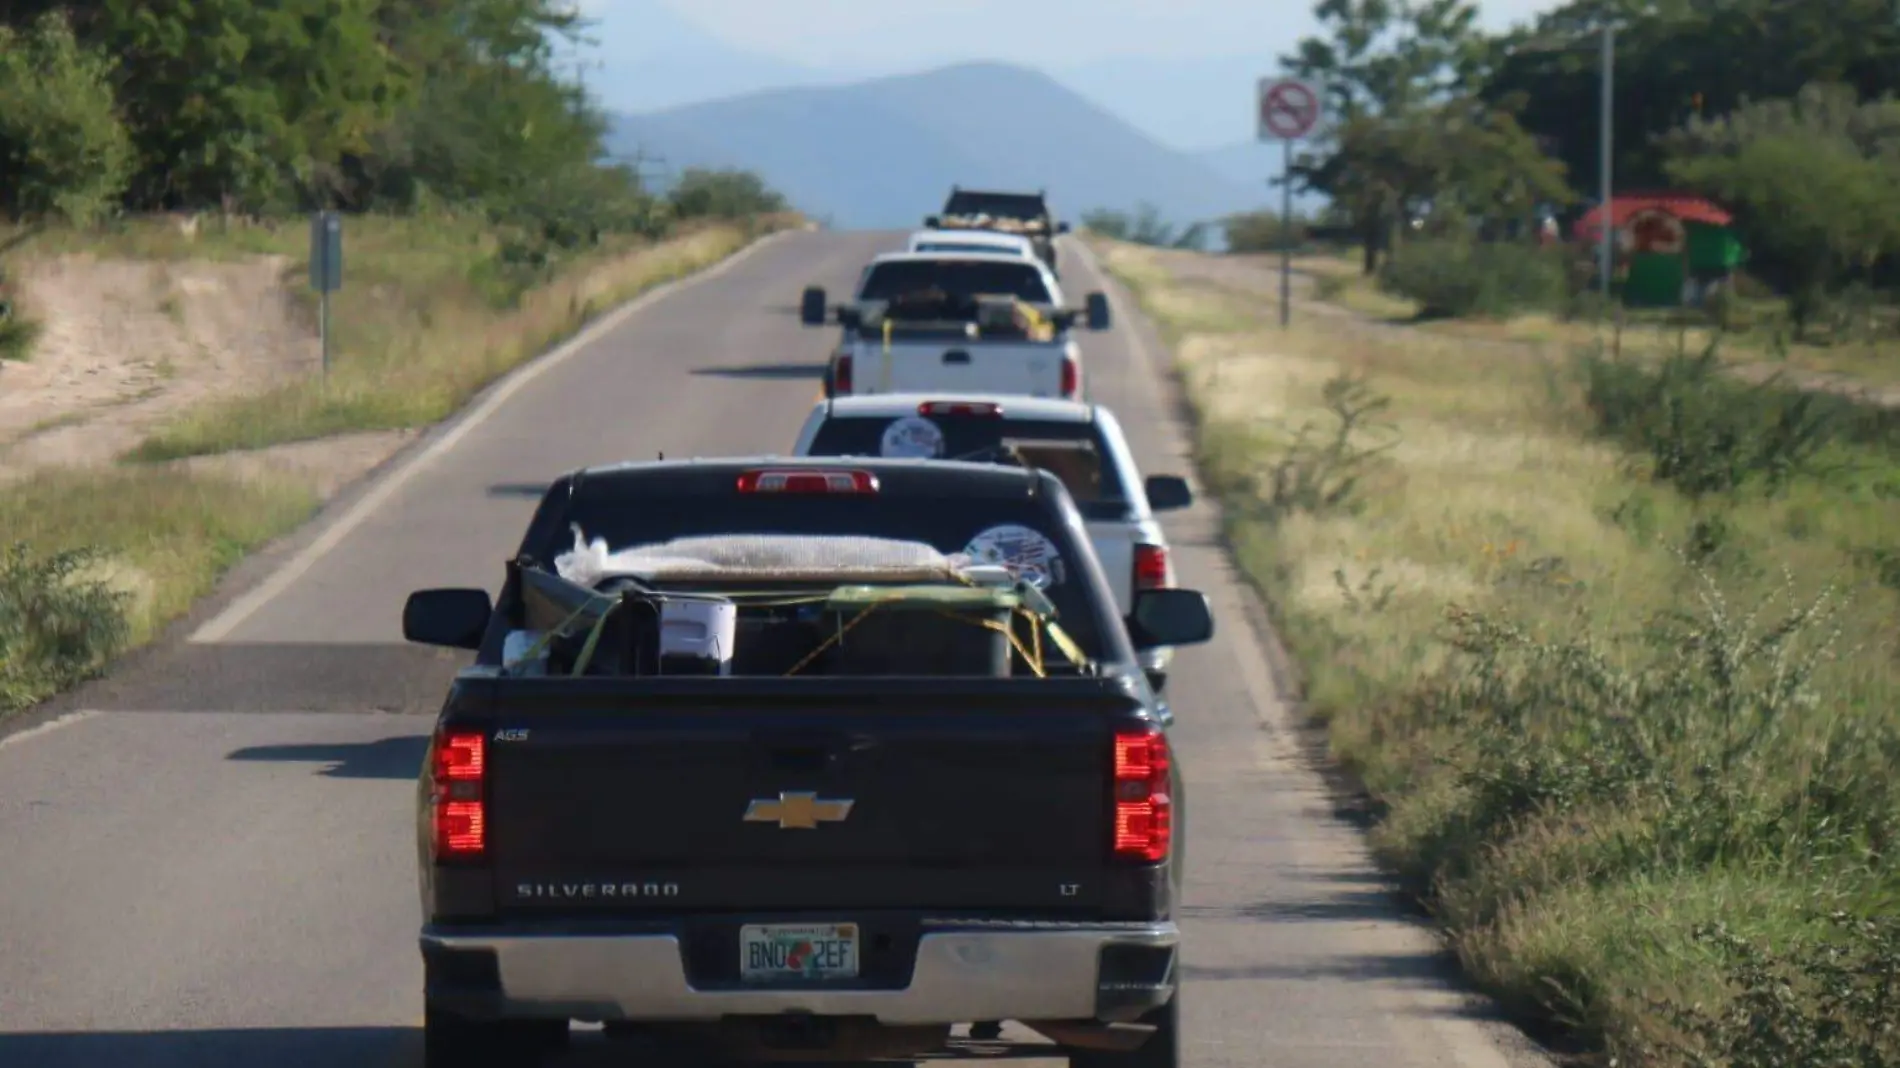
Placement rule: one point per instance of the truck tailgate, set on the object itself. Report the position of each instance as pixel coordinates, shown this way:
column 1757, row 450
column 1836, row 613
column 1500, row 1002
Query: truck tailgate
column 939, row 801
column 963, row 367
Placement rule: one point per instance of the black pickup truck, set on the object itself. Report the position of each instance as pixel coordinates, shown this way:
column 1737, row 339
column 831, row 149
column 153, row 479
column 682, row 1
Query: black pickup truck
column 1024, row 214
column 911, row 777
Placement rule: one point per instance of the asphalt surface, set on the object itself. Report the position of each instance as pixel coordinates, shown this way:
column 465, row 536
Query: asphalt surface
column 208, row 859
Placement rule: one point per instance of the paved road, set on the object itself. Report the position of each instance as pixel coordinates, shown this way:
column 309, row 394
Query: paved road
column 208, row 860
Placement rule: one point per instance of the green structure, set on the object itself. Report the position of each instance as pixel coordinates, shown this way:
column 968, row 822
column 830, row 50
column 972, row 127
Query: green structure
column 1671, row 247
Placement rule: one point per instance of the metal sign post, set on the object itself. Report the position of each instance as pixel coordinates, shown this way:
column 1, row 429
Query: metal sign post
column 1286, row 110
column 326, row 270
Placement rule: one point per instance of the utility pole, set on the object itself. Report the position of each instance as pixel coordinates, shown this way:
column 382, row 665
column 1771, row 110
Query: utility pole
column 1606, row 148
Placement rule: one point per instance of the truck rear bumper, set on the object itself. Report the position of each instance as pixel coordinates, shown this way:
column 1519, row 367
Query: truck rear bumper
column 962, row 973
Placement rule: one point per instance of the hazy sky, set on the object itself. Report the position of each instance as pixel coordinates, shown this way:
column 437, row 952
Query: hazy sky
column 1182, row 71
column 886, row 34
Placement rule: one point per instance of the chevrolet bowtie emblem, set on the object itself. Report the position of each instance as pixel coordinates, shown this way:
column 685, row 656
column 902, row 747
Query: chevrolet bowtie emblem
column 797, row 811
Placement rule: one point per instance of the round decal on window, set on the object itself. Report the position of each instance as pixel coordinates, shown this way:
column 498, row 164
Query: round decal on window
column 1028, row 555
column 914, row 438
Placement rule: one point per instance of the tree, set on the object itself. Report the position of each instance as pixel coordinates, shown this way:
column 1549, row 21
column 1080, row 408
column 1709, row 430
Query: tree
column 1813, row 181
column 1675, row 58
column 63, row 151
column 247, row 104
column 722, row 194
column 1384, row 64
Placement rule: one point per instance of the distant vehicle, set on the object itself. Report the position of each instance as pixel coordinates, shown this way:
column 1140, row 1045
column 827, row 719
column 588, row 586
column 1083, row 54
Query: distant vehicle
column 1080, row 443
column 694, row 784
column 971, row 241
column 965, row 322
column 1027, row 214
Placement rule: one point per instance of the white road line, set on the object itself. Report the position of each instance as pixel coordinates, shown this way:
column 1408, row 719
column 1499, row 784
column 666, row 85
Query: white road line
column 48, row 727
column 220, row 627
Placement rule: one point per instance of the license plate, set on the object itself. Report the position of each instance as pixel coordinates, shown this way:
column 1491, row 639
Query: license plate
column 798, row 951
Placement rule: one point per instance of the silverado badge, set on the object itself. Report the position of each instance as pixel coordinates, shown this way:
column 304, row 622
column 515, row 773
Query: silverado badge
column 797, row 811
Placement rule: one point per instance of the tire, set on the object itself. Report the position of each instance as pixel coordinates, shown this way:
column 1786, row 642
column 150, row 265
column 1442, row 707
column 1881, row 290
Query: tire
column 451, row 1041
column 1162, row 1050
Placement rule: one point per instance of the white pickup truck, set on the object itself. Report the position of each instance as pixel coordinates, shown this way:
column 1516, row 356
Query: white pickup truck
column 968, row 322
column 1080, row 443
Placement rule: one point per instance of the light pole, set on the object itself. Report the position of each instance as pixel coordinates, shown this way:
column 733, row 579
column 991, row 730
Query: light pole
column 1606, row 140
column 1606, row 147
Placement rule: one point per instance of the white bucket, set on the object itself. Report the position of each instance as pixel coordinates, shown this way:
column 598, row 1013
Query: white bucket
column 698, row 629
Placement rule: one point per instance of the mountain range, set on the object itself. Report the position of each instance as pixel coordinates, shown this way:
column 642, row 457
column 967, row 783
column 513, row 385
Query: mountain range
column 882, row 152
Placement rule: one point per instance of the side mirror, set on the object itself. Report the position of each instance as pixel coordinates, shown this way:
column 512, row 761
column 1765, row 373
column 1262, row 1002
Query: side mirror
column 1168, row 493
column 811, row 306
column 850, row 317
column 931, row 221
column 1169, row 617
column 454, row 618
column 1062, row 228
column 1098, row 311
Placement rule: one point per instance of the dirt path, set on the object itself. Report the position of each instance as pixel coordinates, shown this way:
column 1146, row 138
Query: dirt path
column 1258, row 276
column 125, row 345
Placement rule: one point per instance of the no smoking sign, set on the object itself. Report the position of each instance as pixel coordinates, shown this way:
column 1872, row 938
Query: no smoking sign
column 1287, row 109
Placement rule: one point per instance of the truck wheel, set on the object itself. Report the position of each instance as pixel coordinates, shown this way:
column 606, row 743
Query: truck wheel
column 451, row 1041
column 1162, row 1050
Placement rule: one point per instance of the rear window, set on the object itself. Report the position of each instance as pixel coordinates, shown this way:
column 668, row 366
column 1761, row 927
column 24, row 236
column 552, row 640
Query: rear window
column 934, row 246
column 1006, row 205
column 1004, row 531
column 960, row 280
column 1076, row 453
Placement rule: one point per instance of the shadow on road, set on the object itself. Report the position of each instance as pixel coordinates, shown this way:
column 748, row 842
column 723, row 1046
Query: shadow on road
column 765, row 370
column 287, row 677
column 518, row 489
column 390, row 758
column 1352, row 906
column 1428, row 968
column 278, row 1047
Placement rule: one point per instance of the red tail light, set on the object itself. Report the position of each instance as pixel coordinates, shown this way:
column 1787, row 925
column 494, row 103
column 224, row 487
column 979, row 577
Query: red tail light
column 1144, row 809
column 1071, row 377
column 993, row 411
column 841, row 375
column 1151, row 567
column 461, row 817
column 793, row 480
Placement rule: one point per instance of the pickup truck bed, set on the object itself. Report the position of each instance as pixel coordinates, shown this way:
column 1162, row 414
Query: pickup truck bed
column 829, row 840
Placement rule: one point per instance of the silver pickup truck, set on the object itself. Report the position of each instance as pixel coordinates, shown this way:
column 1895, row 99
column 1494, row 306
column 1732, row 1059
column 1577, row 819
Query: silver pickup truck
column 967, row 322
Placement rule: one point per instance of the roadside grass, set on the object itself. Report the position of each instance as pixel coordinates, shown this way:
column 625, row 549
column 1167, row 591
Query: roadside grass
column 1614, row 647
column 100, row 560
column 96, row 561
column 1757, row 334
column 427, row 317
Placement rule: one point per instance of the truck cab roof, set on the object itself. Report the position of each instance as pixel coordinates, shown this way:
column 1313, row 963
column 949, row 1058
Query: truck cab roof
column 896, row 405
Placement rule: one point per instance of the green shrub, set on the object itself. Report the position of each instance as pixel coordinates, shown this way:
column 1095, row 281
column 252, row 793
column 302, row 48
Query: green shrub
column 1706, row 432
column 723, row 194
column 17, row 335
column 58, row 627
column 1818, row 1001
column 1262, row 231
column 1454, row 278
